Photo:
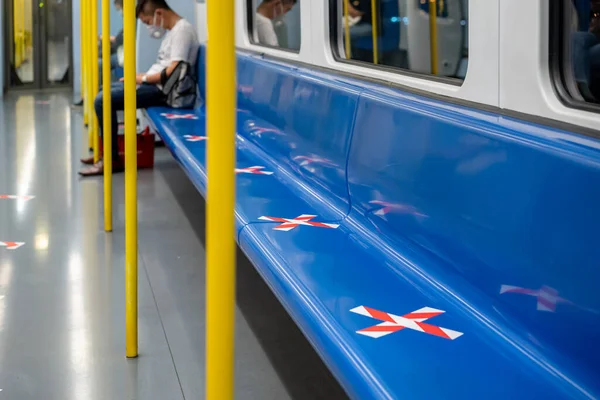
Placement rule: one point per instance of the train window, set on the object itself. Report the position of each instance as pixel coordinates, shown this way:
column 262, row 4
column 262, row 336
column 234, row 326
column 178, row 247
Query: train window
column 398, row 34
column 575, row 51
column 275, row 23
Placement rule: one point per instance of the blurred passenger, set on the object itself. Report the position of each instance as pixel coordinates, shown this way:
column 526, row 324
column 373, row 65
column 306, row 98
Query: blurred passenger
column 354, row 16
column 179, row 43
column 360, row 12
column 270, row 16
column 585, row 50
column 388, row 32
column 115, row 42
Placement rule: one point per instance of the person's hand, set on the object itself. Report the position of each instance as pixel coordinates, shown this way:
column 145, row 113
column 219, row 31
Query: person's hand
column 138, row 79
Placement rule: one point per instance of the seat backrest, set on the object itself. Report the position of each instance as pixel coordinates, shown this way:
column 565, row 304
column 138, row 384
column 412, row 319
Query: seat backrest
column 510, row 209
column 302, row 120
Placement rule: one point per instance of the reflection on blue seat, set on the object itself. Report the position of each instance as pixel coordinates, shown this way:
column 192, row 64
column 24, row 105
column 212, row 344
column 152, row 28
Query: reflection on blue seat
column 425, row 250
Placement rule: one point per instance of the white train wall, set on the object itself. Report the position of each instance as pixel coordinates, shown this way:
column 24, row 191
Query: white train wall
column 508, row 56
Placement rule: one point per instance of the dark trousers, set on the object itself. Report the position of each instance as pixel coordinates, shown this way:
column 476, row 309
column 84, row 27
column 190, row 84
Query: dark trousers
column 146, row 96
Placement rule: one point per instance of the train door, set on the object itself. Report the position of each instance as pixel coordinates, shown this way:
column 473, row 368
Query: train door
column 38, row 49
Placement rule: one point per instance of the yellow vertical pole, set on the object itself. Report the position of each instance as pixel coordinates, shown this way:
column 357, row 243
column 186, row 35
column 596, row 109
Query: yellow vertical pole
column 82, row 49
column 433, row 46
column 347, row 31
column 131, row 242
column 220, row 244
column 18, row 33
column 95, row 78
column 85, row 29
column 374, row 18
column 106, row 105
column 89, row 76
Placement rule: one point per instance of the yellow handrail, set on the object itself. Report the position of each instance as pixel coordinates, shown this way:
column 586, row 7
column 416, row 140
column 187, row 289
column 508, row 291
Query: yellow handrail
column 433, row 46
column 106, row 117
column 220, row 228
column 83, row 60
column 94, row 75
column 374, row 18
column 347, row 29
column 131, row 240
column 86, row 43
column 90, row 74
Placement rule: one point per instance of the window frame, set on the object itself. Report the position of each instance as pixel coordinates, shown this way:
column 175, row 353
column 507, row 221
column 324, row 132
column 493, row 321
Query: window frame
column 335, row 43
column 250, row 13
column 556, row 52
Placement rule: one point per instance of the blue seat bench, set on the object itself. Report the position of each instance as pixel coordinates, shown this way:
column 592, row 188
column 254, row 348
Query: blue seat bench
column 425, row 250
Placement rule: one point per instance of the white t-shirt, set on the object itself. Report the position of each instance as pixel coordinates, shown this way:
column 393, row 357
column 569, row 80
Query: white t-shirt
column 265, row 31
column 179, row 44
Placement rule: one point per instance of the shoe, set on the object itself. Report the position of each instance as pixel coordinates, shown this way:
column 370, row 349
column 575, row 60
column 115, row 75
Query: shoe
column 79, row 103
column 98, row 169
column 87, row 160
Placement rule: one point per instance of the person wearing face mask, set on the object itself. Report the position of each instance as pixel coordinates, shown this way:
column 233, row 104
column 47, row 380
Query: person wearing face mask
column 179, row 43
column 270, row 24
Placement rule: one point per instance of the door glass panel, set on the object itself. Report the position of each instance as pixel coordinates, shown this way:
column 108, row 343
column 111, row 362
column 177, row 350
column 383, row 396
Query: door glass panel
column 22, row 59
column 57, row 39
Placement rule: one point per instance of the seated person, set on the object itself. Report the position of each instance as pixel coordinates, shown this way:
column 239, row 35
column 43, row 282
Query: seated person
column 269, row 14
column 583, row 43
column 360, row 11
column 115, row 43
column 180, row 43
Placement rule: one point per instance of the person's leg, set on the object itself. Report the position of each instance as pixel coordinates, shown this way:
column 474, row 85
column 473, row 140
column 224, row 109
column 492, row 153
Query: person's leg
column 595, row 70
column 146, row 96
column 581, row 44
column 149, row 96
column 117, row 96
column 595, row 58
column 580, row 55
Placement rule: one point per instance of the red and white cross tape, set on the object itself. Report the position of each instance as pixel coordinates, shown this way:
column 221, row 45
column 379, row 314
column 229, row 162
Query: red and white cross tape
column 178, row 116
column 15, row 197
column 194, row 138
column 11, row 245
column 257, row 170
column 288, row 224
column 394, row 323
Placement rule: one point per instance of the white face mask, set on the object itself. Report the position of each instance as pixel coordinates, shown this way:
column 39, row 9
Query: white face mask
column 157, row 32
